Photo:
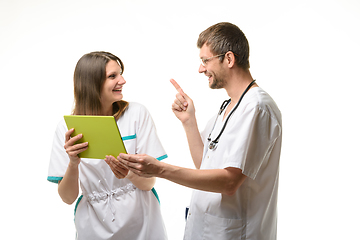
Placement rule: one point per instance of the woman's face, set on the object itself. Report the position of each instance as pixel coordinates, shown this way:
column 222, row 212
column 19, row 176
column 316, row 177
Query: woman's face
column 112, row 89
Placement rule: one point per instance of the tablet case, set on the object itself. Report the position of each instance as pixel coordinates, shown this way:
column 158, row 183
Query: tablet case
column 101, row 132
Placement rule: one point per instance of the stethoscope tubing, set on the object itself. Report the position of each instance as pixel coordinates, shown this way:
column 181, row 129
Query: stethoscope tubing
column 214, row 143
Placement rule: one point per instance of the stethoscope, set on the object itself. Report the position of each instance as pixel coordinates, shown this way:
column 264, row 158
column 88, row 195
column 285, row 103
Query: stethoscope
column 213, row 144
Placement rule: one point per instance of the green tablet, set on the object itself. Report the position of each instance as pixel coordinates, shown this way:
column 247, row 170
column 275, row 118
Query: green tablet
column 101, row 132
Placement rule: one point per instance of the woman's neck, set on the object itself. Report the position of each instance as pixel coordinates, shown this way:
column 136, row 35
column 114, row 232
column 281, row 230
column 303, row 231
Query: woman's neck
column 107, row 111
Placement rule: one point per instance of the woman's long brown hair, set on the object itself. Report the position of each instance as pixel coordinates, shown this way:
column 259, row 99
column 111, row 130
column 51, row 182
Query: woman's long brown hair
column 89, row 78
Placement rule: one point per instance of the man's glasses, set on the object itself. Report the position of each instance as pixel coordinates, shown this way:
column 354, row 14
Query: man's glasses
column 206, row 60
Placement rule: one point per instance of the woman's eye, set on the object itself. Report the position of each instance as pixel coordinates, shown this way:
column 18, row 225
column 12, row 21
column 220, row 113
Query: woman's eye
column 112, row 76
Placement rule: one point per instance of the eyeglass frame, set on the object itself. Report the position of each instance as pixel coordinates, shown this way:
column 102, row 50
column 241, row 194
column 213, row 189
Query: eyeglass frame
column 203, row 62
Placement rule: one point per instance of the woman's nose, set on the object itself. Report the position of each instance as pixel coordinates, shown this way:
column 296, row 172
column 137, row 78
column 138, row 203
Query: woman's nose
column 121, row 80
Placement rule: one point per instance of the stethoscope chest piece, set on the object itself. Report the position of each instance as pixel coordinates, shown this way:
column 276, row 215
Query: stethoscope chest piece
column 212, row 145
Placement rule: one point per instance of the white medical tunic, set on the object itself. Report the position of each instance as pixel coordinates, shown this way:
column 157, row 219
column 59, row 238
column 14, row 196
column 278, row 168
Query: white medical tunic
column 251, row 142
column 112, row 208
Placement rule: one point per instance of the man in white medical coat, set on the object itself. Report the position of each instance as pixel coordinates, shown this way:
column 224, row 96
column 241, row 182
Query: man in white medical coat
column 236, row 156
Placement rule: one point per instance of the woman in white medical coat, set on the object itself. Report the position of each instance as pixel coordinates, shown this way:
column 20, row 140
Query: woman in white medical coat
column 114, row 204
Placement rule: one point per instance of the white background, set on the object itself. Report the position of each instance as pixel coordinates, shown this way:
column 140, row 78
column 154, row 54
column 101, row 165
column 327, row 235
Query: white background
column 305, row 54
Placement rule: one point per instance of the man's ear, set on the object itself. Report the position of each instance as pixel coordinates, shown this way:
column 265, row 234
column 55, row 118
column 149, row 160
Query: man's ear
column 230, row 59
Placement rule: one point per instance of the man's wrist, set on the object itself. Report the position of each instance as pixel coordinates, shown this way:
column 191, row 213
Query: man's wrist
column 162, row 170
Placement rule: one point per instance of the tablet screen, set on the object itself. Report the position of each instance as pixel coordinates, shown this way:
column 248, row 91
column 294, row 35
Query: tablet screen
column 101, row 132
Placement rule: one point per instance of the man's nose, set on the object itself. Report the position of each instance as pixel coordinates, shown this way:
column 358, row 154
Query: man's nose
column 202, row 69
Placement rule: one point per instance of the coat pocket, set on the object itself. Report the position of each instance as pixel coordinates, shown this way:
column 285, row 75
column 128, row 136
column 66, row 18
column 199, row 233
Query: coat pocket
column 222, row 228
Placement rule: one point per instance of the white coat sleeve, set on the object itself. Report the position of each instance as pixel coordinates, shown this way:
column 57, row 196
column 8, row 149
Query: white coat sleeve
column 59, row 159
column 251, row 140
column 148, row 141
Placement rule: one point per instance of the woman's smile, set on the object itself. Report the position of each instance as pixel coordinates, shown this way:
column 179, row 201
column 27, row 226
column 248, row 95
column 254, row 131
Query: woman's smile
column 113, row 85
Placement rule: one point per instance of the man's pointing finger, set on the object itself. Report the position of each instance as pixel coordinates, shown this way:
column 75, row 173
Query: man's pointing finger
column 177, row 87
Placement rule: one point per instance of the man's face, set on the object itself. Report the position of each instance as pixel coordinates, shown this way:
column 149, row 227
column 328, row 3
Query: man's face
column 213, row 68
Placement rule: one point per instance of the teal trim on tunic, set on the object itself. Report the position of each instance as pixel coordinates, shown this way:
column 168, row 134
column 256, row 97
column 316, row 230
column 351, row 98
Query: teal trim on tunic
column 54, row 179
column 162, row 157
column 129, row 137
column 77, row 204
column 153, row 189
column 156, row 195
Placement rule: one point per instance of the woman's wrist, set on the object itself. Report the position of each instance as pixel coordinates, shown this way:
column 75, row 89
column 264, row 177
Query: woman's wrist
column 73, row 164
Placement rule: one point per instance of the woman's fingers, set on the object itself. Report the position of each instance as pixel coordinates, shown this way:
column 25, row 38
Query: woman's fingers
column 71, row 148
column 68, row 134
column 72, row 140
column 119, row 170
column 73, row 153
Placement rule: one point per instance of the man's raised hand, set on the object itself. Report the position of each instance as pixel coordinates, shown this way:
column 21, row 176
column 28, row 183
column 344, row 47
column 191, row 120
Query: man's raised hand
column 183, row 106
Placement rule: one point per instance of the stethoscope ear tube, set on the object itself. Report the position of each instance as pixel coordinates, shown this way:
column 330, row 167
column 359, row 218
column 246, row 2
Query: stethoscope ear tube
column 213, row 144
